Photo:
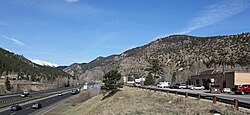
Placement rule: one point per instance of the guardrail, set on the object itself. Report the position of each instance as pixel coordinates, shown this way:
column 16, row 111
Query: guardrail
column 236, row 103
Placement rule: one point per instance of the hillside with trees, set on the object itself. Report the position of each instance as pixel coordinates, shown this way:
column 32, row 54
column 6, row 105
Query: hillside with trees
column 23, row 69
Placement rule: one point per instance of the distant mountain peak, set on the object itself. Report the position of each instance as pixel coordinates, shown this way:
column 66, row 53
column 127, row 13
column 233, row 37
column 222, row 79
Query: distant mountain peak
column 44, row 63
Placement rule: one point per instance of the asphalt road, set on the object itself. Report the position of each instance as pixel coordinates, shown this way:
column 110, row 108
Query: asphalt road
column 27, row 109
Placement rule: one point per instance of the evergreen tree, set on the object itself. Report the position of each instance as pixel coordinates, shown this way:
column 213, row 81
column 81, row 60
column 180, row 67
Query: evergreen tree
column 155, row 68
column 149, row 80
column 7, row 84
column 173, row 79
column 111, row 82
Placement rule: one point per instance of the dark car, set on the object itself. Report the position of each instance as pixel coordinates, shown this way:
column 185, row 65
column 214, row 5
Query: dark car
column 175, row 86
column 37, row 105
column 75, row 91
column 15, row 107
column 215, row 89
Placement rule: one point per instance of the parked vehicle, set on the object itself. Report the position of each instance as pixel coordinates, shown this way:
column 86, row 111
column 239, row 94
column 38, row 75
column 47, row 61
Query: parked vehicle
column 15, row 107
column 226, row 90
column 174, row 86
column 215, row 89
column 37, row 105
column 197, row 87
column 137, row 82
column 182, row 86
column 243, row 89
column 163, row 84
column 190, row 86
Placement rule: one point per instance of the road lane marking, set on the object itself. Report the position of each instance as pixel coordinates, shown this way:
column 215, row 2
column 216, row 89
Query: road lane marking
column 13, row 113
column 46, row 101
column 27, row 107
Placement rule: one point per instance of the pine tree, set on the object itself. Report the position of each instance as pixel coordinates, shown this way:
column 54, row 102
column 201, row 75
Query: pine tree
column 7, row 84
column 155, row 68
column 149, row 80
column 111, row 82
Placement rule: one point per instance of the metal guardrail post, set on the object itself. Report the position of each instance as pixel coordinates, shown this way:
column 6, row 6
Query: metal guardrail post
column 236, row 105
column 214, row 99
column 176, row 92
column 186, row 95
column 199, row 96
column 167, row 92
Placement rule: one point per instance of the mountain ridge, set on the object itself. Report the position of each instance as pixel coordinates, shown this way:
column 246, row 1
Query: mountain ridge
column 191, row 53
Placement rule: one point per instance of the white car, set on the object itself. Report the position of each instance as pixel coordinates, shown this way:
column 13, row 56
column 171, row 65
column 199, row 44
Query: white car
column 197, row 87
column 25, row 94
column 60, row 94
column 182, row 86
column 226, row 90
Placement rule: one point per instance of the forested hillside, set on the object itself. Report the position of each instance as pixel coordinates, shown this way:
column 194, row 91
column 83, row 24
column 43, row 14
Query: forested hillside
column 11, row 63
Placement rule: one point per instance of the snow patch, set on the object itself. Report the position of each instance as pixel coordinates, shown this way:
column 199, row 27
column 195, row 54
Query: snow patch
column 44, row 63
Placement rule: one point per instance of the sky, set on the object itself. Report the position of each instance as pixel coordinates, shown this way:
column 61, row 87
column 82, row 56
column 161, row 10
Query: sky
column 77, row 31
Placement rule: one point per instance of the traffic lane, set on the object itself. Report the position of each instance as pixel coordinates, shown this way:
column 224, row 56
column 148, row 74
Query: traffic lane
column 27, row 109
column 18, row 96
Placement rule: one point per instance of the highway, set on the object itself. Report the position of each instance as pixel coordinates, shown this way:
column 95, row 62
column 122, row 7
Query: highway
column 27, row 108
column 32, row 94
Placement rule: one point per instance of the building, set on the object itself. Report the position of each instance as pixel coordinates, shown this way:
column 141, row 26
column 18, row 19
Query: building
column 215, row 77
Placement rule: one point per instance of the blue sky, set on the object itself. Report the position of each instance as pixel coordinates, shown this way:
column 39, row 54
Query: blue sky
column 69, row 31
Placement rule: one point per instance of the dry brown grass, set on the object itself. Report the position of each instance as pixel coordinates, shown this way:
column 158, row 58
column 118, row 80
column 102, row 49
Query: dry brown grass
column 82, row 97
column 132, row 101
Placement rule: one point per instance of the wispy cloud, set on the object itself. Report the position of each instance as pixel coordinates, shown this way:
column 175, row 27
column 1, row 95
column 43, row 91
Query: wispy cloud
column 215, row 13
column 72, row 1
column 13, row 40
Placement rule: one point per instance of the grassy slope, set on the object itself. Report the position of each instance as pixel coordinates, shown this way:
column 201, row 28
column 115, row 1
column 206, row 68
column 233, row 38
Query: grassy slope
column 131, row 101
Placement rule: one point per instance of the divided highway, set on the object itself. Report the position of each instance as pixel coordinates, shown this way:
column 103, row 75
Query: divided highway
column 16, row 98
column 46, row 98
column 27, row 109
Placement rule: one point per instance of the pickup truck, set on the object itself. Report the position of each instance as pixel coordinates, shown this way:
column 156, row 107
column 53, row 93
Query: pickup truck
column 243, row 89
